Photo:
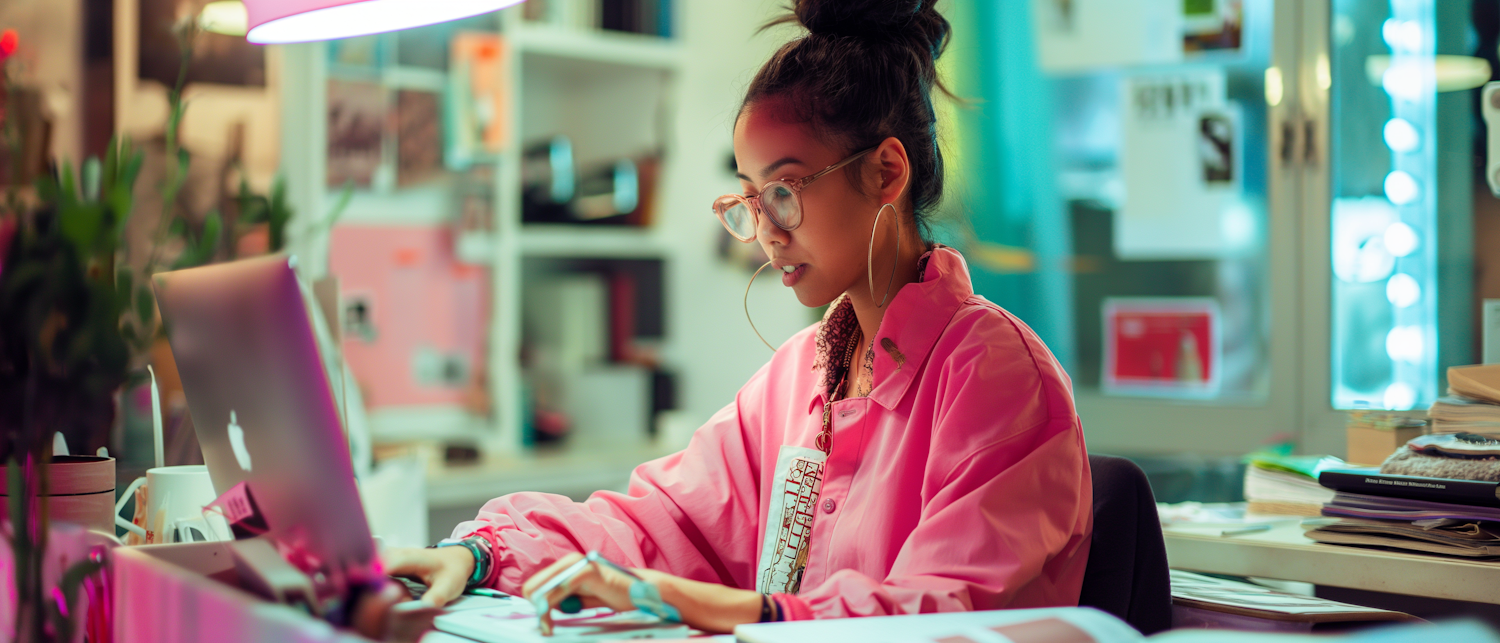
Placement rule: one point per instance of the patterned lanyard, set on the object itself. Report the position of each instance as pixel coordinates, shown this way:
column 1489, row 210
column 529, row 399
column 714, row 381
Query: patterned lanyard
column 825, row 438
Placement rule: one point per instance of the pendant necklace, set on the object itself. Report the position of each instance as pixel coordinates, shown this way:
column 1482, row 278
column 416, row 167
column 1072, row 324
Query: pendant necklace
column 825, row 438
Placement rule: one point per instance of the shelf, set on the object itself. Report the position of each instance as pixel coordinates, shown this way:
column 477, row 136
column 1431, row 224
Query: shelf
column 603, row 47
column 393, row 77
column 426, row 422
column 562, row 240
column 568, row 472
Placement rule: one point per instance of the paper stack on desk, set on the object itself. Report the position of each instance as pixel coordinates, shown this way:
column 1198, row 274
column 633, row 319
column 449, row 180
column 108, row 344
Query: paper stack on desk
column 1407, row 513
column 1473, row 401
column 1460, row 414
column 1287, row 485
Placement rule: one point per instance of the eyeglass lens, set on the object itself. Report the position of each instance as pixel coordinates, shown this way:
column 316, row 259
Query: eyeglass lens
column 778, row 202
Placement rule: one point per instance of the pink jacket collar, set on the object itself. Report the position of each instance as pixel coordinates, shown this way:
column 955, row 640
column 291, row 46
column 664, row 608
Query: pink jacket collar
column 911, row 325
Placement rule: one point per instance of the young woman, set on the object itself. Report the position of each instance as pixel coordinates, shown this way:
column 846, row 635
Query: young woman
column 916, row 451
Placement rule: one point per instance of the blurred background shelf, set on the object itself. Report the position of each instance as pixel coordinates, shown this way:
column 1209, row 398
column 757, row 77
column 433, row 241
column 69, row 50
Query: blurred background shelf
column 610, row 48
column 563, row 240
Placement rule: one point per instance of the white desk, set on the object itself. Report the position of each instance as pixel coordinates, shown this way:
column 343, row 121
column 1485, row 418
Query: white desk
column 1284, row 553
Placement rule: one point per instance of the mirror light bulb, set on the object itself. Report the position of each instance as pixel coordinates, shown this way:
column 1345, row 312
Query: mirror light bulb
column 1404, row 344
column 1401, row 136
column 1402, row 35
column 1403, row 80
column 1400, row 239
column 1399, row 397
column 1402, row 290
column 1400, row 187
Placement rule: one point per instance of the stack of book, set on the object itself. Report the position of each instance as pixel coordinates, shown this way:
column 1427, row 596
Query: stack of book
column 1473, row 401
column 1412, row 513
column 1287, row 485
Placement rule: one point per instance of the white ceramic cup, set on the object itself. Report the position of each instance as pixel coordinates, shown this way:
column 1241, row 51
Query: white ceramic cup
column 175, row 498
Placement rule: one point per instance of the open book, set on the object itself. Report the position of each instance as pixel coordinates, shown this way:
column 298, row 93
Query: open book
column 1063, row 625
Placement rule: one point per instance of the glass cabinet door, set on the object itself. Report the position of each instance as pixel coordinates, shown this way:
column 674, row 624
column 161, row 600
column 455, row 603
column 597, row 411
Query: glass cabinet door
column 1181, row 220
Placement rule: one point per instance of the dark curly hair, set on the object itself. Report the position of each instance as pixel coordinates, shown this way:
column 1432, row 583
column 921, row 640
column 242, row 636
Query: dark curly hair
column 864, row 72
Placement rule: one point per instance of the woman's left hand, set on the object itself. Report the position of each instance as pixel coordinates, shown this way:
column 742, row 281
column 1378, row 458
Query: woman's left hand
column 706, row 606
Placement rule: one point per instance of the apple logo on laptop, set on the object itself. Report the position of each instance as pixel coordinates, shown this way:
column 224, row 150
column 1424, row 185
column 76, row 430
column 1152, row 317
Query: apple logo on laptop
column 237, row 442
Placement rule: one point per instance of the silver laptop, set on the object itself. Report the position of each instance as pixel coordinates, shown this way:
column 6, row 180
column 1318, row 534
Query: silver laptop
column 265, row 415
column 263, row 407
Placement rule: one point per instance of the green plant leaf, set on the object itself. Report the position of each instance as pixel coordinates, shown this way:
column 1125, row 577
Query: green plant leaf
column 16, row 489
column 91, row 172
column 68, row 586
column 145, row 306
column 124, row 280
column 213, row 229
column 81, row 224
column 68, row 187
column 111, row 164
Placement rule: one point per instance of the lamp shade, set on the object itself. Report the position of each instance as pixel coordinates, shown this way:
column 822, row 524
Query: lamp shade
column 275, row 22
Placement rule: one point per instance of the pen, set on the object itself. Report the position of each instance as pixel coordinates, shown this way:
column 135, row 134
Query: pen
column 486, row 592
column 1247, row 529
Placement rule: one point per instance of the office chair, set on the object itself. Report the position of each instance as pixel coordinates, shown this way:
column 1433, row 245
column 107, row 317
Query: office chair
column 1126, row 574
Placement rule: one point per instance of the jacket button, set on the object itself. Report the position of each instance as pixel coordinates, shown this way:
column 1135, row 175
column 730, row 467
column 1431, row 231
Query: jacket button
column 828, row 506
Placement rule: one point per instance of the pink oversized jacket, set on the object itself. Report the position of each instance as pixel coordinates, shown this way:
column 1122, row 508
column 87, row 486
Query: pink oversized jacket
column 960, row 482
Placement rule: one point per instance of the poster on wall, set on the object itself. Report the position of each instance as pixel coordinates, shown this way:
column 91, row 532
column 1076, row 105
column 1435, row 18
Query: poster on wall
column 356, row 132
column 1162, row 347
column 477, row 103
column 1181, row 156
column 1079, row 35
column 416, row 318
column 1212, row 25
column 419, row 137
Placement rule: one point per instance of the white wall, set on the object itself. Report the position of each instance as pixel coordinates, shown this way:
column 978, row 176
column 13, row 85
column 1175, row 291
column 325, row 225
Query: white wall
column 713, row 348
column 51, row 58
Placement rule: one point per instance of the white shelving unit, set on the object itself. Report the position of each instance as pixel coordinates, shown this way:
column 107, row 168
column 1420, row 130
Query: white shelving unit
column 611, row 93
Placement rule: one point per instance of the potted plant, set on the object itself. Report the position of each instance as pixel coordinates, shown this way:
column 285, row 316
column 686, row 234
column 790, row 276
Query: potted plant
column 77, row 323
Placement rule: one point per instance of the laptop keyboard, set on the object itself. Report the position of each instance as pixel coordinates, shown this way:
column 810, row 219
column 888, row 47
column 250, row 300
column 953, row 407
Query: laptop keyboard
column 415, row 588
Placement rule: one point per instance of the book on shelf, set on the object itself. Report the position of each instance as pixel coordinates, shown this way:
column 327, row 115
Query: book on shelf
column 649, row 17
column 1371, row 482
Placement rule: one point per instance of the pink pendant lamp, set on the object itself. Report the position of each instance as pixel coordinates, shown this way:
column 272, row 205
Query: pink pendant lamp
column 274, row 22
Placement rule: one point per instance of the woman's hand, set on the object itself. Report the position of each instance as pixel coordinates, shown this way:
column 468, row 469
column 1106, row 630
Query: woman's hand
column 706, row 606
column 445, row 570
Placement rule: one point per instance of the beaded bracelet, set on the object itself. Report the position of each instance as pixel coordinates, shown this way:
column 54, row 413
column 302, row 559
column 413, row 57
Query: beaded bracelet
column 480, row 548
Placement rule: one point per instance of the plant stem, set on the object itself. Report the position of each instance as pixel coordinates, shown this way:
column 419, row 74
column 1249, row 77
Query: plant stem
column 187, row 34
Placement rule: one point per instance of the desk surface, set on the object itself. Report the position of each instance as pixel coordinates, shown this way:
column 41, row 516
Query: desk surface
column 1285, row 553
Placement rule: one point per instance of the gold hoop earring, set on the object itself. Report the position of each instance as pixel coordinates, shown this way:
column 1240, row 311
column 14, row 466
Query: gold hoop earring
column 870, row 259
column 747, row 308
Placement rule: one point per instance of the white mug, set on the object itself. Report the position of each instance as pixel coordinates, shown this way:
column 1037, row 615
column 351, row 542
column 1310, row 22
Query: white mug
column 175, row 498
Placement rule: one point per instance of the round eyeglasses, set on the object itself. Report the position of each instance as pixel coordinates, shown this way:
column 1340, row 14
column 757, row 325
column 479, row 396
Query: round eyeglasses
column 780, row 201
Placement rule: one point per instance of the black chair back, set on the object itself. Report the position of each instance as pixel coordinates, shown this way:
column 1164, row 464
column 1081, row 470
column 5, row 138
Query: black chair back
column 1127, row 573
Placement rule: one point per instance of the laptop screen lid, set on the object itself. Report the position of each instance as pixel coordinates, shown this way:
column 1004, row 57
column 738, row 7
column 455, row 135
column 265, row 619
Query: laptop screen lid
column 263, row 407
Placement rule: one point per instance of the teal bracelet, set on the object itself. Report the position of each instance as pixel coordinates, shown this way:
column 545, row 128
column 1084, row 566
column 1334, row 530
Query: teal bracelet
column 647, row 598
column 481, row 559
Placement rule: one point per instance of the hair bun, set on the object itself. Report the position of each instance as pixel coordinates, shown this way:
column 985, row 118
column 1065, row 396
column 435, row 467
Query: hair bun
column 858, row 18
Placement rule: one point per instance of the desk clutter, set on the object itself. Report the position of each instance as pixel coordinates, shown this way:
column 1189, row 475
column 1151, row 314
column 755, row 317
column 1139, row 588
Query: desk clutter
column 1433, row 494
column 1085, row 625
